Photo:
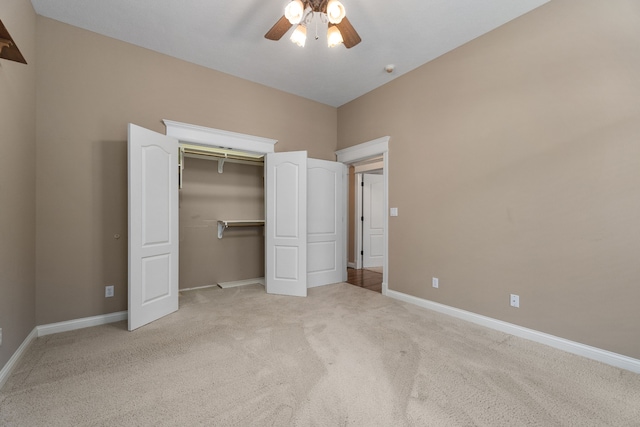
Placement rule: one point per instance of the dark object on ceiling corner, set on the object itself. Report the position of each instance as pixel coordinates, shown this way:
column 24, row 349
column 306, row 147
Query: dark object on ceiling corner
column 8, row 48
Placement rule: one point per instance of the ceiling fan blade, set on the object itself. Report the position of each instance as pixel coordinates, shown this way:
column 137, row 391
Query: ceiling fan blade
column 279, row 29
column 349, row 35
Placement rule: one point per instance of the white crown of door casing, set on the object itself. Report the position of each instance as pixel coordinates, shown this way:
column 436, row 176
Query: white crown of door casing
column 218, row 138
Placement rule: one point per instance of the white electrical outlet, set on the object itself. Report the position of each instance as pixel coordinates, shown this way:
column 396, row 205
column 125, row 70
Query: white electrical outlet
column 108, row 291
column 0, row 336
column 515, row 300
column 434, row 282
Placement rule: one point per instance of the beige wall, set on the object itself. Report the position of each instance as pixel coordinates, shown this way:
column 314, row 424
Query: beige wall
column 89, row 88
column 206, row 196
column 514, row 165
column 17, row 180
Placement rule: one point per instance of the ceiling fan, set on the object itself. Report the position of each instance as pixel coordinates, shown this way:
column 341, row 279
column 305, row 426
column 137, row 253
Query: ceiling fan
column 302, row 12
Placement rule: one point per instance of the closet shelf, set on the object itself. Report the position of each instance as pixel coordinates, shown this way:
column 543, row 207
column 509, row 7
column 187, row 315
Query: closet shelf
column 223, row 224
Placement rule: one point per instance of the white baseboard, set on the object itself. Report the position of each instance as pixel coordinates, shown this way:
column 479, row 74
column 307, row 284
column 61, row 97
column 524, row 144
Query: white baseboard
column 8, row 367
column 85, row 322
column 54, row 328
column 351, row 265
column 236, row 283
column 594, row 353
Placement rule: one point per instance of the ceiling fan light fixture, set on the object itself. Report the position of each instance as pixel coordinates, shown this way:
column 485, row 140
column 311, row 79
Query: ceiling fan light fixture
column 334, row 37
column 299, row 14
column 294, row 11
column 299, row 36
column 335, row 11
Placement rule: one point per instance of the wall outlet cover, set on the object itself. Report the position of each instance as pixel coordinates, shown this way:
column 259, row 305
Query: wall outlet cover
column 515, row 300
column 108, row 291
column 434, row 282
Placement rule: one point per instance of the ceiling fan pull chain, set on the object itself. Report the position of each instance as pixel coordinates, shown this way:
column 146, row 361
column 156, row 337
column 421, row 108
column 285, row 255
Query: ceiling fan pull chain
column 317, row 30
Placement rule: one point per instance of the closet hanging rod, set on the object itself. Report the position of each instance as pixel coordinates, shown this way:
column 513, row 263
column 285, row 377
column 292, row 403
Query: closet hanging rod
column 221, row 153
column 216, row 156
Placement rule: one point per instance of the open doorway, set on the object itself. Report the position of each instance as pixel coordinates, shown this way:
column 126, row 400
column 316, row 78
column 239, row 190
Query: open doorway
column 369, row 229
column 367, row 244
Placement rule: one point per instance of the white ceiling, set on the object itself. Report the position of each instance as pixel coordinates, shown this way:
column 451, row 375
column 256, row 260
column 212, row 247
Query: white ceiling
column 228, row 35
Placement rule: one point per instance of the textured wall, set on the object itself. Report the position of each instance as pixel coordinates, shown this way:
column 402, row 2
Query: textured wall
column 17, row 180
column 87, row 93
column 514, row 164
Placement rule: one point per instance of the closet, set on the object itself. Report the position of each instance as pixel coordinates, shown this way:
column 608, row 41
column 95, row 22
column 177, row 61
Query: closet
column 304, row 215
column 221, row 220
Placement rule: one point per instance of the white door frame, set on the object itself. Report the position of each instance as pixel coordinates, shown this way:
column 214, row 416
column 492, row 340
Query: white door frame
column 358, row 221
column 358, row 153
column 359, row 170
column 210, row 137
column 367, row 194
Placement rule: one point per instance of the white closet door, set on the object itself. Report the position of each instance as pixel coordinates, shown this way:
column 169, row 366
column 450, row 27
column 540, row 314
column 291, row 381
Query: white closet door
column 153, row 226
column 286, row 223
column 326, row 262
column 373, row 223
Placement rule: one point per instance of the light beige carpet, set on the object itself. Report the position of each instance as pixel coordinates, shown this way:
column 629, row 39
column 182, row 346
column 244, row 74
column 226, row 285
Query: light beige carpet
column 342, row 356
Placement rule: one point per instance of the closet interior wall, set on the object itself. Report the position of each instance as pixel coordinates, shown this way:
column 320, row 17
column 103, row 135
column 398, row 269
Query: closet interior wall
column 207, row 196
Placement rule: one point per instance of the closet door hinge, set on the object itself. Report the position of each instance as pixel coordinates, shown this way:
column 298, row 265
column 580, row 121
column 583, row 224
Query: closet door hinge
column 362, row 183
column 362, row 218
column 361, row 252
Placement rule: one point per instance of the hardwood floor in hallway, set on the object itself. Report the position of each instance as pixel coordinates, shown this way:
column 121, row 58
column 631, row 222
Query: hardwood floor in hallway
column 365, row 279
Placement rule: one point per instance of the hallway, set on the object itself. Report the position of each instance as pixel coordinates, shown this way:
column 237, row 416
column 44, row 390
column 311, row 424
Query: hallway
column 364, row 278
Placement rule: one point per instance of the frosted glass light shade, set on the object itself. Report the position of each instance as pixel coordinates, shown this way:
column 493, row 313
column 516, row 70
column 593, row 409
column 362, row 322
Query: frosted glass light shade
column 334, row 37
column 293, row 12
column 335, row 11
column 299, row 36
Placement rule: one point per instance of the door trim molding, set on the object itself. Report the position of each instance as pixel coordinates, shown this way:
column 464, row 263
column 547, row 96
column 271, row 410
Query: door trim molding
column 358, row 221
column 367, row 213
column 218, row 138
column 364, row 151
